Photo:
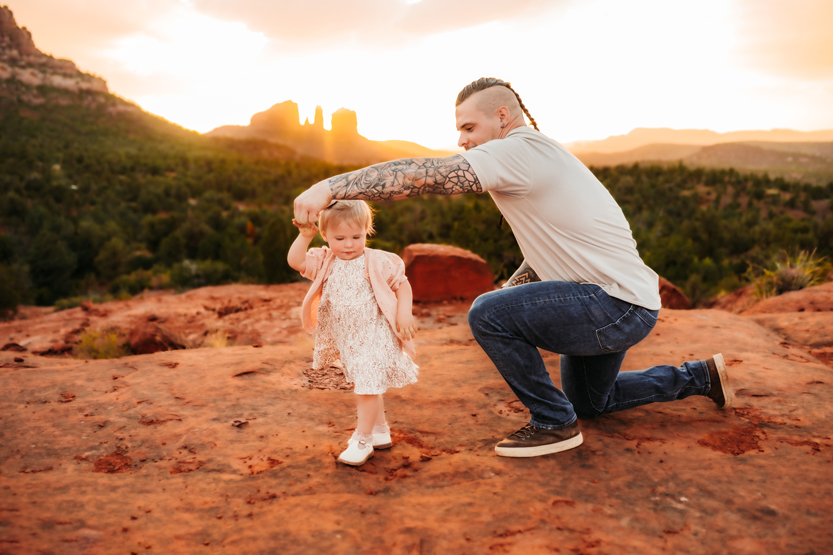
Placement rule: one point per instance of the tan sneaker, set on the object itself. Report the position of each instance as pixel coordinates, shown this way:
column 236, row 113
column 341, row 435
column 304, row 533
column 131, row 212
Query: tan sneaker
column 531, row 441
column 720, row 392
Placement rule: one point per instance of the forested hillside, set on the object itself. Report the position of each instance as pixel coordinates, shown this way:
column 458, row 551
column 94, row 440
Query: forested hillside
column 98, row 197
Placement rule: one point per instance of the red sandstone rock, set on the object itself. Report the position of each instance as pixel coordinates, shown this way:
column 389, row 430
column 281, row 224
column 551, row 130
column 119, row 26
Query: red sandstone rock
column 811, row 299
column 737, row 301
column 13, row 347
column 672, row 296
column 443, row 272
column 59, row 348
column 153, row 338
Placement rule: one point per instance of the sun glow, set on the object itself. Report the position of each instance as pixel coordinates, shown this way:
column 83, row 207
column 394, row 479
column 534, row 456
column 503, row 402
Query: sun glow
column 585, row 70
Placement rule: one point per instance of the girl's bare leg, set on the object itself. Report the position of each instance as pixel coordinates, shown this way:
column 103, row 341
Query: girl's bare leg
column 380, row 417
column 368, row 409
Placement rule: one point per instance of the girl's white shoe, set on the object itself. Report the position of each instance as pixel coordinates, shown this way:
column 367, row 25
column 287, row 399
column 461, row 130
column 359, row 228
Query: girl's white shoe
column 359, row 451
column 381, row 437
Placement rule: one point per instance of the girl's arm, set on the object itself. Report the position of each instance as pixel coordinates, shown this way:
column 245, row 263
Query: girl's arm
column 405, row 323
column 298, row 251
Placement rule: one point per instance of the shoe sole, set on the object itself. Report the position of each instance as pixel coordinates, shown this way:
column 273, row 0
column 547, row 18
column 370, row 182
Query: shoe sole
column 352, row 463
column 728, row 394
column 565, row 445
column 385, row 446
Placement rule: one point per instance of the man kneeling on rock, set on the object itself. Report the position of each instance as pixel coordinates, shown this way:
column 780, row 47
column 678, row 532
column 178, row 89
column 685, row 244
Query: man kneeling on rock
column 583, row 291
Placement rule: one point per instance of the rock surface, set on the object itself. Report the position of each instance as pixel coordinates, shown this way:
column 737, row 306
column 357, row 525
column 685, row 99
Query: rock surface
column 672, row 296
column 21, row 60
column 811, row 299
column 232, row 450
column 443, row 272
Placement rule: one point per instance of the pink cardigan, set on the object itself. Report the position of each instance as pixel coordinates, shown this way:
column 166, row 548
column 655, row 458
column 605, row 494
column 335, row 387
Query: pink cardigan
column 386, row 272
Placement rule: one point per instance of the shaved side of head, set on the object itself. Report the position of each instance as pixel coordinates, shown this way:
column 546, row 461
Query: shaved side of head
column 493, row 93
column 490, row 100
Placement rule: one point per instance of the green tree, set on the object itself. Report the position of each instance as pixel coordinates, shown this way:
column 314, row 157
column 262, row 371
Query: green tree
column 172, row 249
column 275, row 243
column 12, row 285
column 112, row 258
column 51, row 264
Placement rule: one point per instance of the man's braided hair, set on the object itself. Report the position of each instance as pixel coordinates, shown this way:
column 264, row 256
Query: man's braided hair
column 487, row 82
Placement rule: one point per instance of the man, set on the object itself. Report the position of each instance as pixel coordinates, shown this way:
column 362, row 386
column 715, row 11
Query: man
column 582, row 291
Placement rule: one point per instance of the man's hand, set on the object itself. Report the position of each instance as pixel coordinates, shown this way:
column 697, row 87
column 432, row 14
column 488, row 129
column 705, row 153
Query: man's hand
column 311, row 202
column 307, row 230
column 406, row 326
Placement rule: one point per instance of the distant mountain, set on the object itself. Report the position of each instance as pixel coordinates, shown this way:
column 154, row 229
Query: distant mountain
column 794, row 155
column 809, row 162
column 642, row 136
column 341, row 145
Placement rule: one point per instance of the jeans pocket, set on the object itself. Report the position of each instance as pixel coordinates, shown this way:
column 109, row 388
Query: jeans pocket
column 625, row 332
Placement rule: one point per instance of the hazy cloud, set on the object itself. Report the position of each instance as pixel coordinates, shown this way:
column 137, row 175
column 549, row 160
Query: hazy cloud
column 392, row 22
column 794, row 39
column 62, row 25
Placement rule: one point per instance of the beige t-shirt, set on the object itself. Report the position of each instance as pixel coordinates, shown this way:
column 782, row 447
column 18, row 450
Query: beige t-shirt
column 567, row 224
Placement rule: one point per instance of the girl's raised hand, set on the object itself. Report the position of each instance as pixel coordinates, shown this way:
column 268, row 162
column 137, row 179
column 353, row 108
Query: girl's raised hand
column 406, row 326
column 307, row 230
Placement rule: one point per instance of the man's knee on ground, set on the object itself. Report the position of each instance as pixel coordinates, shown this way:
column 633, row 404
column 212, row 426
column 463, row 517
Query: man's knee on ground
column 583, row 409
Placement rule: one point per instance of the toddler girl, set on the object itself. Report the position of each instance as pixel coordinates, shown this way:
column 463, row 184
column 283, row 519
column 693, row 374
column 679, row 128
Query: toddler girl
column 360, row 301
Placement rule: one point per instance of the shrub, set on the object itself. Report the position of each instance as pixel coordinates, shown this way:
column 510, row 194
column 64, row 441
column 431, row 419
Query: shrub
column 132, row 283
column 101, row 345
column 789, row 273
column 72, row 302
column 217, row 339
column 199, row 273
column 11, row 285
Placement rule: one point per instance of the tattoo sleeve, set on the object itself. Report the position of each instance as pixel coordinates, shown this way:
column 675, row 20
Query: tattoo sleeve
column 524, row 274
column 405, row 178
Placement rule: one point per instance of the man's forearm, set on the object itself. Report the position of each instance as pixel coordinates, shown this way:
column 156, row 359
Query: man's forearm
column 405, row 178
column 524, row 274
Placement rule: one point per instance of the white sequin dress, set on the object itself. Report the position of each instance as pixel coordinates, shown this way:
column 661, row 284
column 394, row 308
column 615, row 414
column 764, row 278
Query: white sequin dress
column 352, row 327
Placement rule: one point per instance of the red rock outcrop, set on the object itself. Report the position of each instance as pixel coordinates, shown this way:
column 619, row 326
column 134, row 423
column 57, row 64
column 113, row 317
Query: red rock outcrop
column 229, row 450
column 342, row 144
column 152, row 338
column 21, row 60
column 811, row 299
column 443, row 272
column 737, row 301
column 672, row 296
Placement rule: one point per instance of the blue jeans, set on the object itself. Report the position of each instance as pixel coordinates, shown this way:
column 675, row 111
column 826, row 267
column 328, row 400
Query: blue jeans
column 591, row 331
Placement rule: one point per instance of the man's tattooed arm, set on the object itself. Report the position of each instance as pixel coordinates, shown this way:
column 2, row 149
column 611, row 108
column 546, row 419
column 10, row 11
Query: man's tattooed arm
column 524, row 274
column 408, row 177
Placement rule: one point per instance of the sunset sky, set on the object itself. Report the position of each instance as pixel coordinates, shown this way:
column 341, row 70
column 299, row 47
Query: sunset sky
column 586, row 69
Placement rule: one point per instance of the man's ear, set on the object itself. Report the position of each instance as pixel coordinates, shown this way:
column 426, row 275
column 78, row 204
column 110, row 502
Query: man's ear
column 503, row 114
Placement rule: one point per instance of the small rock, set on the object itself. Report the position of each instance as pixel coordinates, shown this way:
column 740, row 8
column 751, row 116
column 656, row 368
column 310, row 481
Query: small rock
column 672, row 296
column 443, row 272
column 150, row 338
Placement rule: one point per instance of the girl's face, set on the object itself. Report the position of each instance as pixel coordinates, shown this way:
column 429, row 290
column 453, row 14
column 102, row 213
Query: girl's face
column 346, row 239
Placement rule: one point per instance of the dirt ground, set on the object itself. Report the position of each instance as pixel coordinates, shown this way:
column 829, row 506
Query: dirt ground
column 232, row 449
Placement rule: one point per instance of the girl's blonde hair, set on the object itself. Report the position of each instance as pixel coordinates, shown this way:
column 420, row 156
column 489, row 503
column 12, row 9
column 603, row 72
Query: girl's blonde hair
column 353, row 211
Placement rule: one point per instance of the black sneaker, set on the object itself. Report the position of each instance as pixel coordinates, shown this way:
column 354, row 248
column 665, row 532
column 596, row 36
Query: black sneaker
column 531, row 441
column 720, row 391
